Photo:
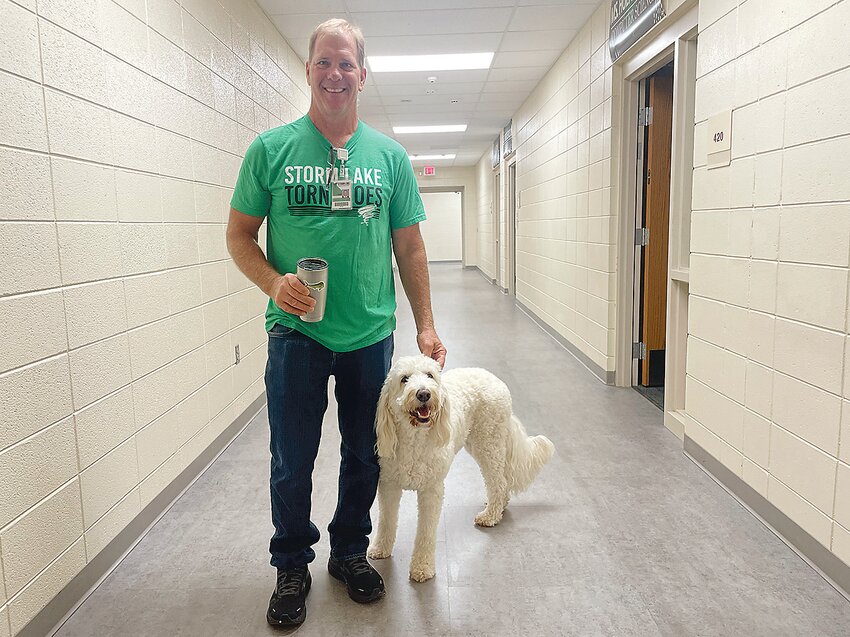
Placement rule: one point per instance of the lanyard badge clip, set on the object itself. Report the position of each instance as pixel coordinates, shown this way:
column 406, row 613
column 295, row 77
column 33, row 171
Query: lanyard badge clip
column 339, row 185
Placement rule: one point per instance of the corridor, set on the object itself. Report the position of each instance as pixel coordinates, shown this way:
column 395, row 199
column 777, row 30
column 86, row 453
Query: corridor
column 621, row 534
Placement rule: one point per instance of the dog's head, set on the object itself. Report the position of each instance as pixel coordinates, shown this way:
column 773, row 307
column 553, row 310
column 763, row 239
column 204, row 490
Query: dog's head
column 412, row 396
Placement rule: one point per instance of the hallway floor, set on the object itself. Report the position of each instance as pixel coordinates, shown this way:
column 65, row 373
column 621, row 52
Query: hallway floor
column 620, row 535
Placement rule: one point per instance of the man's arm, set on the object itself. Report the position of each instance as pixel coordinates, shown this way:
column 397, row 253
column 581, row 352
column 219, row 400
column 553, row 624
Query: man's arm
column 413, row 268
column 287, row 291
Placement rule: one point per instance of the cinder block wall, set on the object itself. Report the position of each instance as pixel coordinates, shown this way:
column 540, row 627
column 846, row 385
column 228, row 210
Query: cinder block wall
column 566, row 234
column 768, row 384
column 768, row 371
column 486, row 202
column 122, row 126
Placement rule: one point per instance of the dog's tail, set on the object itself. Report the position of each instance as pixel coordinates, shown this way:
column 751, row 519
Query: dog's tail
column 526, row 456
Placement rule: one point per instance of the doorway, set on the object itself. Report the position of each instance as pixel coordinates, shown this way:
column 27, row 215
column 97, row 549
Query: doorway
column 652, row 222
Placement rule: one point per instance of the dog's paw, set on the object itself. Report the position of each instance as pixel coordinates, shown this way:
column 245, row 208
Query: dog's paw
column 421, row 572
column 379, row 552
column 487, row 518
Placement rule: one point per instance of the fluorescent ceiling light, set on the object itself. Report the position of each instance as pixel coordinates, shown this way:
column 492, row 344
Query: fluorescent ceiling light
column 448, row 128
column 442, row 62
column 430, row 157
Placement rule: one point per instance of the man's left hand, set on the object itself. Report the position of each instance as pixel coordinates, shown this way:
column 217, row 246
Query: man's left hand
column 431, row 345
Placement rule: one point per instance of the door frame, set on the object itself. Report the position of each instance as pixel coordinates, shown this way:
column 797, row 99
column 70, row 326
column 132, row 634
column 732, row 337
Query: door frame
column 672, row 39
column 511, row 229
column 496, row 218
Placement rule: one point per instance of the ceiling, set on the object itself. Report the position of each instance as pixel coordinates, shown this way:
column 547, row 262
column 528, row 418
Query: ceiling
column 527, row 36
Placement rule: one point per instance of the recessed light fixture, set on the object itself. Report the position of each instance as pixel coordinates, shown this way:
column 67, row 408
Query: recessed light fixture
column 441, row 62
column 431, row 157
column 445, row 128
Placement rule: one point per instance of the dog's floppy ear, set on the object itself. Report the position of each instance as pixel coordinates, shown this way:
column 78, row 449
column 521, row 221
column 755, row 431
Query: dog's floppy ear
column 441, row 430
column 384, row 425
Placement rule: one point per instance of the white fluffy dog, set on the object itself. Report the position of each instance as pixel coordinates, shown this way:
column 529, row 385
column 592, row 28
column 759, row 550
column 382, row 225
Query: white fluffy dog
column 424, row 418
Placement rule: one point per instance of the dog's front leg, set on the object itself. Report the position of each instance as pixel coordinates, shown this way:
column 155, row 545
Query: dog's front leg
column 389, row 496
column 430, row 505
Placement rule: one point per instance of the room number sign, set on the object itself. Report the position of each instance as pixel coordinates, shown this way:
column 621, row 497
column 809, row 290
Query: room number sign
column 719, row 140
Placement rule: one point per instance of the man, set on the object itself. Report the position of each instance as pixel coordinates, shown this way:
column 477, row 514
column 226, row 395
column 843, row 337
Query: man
column 334, row 188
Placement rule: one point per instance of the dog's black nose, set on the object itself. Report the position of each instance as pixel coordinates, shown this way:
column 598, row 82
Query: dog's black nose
column 423, row 395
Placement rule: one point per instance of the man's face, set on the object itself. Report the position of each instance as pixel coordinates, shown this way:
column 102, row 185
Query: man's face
column 334, row 75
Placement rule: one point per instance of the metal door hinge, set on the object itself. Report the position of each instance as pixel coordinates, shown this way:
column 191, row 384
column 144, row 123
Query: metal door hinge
column 641, row 236
column 238, row 357
column 639, row 351
column 645, row 116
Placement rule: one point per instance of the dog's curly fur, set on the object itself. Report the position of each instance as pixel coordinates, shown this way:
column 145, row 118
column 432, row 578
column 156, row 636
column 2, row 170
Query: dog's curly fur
column 424, row 418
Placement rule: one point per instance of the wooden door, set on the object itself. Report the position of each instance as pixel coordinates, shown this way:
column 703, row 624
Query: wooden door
column 657, row 222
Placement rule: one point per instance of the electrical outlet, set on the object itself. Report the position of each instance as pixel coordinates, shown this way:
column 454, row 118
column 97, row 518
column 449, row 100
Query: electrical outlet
column 238, row 358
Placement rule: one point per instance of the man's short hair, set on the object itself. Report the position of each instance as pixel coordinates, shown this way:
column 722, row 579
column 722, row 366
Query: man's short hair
column 338, row 26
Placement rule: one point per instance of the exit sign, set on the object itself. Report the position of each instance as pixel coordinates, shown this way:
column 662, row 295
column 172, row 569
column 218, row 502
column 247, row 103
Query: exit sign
column 430, row 171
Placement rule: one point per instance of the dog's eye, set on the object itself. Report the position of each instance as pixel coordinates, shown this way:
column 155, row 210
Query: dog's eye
column 404, row 379
column 430, row 375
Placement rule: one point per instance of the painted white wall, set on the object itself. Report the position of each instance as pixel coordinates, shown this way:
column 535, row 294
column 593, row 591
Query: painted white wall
column 123, row 126
column 443, row 228
column 464, row 177
column 768, row 367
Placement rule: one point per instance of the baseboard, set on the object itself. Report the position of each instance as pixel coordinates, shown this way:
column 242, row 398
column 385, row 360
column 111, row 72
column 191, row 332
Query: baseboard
column 605, row 376
column 486, row 276
column 833, row 570
column 52, row 616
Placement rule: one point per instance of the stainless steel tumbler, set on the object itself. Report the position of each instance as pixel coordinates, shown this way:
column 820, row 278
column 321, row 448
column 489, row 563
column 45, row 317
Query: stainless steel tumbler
column 313, row 272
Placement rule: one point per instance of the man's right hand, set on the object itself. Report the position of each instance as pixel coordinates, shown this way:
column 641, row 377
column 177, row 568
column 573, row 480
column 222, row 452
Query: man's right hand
column 291, row 295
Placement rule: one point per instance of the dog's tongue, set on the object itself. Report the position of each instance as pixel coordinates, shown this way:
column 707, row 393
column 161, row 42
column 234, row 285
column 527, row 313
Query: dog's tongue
column 423, row 412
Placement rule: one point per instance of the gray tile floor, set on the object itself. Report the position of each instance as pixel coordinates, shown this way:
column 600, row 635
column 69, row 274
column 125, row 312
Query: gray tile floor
column 620, row 535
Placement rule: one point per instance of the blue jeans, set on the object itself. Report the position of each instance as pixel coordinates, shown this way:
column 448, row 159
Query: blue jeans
column 297, row 376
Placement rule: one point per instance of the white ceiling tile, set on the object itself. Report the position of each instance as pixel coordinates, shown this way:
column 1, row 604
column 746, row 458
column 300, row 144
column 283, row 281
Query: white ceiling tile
column 447, row 90
column 299, row 26
column 453, row 112
column 432, row 44
column 389, row 23
column 514, row 74
column 514, row 59
column 515, row 86
column 493, row 108
column 356, row 6
column 426, row 118
column 430, row 101
column 543, row 18
column 540, row 3
column 291, row 7
column 419, row 77
column 537, row 40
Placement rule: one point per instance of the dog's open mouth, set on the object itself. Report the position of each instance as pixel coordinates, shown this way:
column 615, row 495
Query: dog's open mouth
column 420, row 416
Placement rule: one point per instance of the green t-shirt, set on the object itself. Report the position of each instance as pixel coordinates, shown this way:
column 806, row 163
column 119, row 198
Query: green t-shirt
column 284, row 177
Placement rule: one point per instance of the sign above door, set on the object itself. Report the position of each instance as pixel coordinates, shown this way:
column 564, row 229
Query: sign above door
column 631, row 19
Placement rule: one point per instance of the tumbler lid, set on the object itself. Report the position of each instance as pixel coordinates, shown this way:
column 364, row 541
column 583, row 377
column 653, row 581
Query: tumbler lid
column 312, row 263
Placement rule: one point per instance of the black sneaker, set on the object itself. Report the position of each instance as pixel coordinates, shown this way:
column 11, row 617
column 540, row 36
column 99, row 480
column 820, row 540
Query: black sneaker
column 288, row 605
column 363, row 582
